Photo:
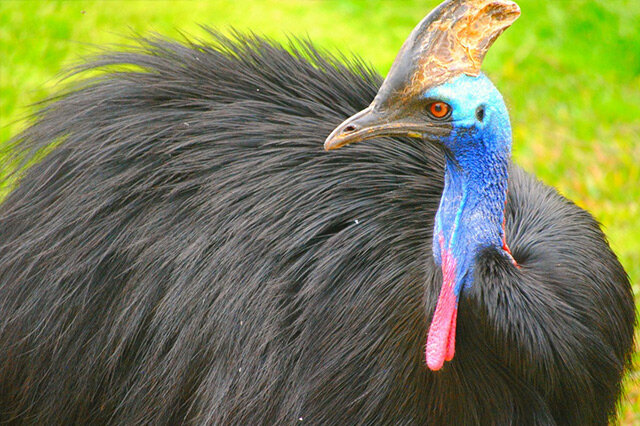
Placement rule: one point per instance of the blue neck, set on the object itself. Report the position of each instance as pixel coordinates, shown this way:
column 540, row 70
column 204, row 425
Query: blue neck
column 471, row 212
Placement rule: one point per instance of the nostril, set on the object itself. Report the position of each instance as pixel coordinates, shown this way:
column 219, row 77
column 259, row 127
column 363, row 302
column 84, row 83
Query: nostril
column 350, row 128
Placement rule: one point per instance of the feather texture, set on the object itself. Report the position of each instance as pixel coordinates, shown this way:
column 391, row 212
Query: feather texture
column 187, row 252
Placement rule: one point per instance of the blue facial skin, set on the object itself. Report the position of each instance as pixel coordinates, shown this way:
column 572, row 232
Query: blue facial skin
column 471, row 212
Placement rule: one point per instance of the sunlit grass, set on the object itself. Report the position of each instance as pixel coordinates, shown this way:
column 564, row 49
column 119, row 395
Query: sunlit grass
column 569, row 70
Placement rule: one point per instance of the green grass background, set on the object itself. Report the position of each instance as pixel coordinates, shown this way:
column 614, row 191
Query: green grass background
column 568, row 69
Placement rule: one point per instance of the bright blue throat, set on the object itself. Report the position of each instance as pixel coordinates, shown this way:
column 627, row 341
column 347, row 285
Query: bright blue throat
column 471, row 213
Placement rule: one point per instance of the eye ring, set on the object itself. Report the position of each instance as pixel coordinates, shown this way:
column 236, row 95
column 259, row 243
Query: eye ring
column 438, row 110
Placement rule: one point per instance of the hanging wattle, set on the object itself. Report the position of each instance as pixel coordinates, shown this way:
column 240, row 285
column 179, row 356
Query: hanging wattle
column 470, row 218
column 441, row 341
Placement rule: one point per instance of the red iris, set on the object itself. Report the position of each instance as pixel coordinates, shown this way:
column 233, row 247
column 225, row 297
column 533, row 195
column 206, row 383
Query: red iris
column 439, row 109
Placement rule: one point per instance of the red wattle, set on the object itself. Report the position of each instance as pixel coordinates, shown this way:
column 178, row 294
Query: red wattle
column 451, row 345
column 441, row 340
column 505, row 247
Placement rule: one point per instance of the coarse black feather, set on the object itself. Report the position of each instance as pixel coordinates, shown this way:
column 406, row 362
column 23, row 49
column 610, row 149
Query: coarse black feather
column 187, row 252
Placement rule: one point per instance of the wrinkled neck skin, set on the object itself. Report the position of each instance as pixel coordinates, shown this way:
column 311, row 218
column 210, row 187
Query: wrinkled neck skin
column 471, row 213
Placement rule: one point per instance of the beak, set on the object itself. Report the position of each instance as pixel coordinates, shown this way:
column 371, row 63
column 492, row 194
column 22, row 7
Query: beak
column 368, row 124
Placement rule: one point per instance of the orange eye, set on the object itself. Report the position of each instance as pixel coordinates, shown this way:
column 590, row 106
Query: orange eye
column 438, row 109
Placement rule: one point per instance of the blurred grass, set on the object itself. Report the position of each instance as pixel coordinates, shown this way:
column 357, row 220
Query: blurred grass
column 569, row 70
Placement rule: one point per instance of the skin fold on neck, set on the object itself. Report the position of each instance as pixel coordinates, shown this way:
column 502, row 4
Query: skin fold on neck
column 471, row 214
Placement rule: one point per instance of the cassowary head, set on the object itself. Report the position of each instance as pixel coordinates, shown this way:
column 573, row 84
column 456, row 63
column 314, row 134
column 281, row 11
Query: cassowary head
column 435, row 91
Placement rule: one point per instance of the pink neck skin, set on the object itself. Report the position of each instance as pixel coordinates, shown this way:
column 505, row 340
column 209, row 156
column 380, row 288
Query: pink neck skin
column 442, row 333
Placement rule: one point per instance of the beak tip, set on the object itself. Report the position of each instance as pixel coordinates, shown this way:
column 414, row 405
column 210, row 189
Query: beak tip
column 333, row 142
column 327, row 145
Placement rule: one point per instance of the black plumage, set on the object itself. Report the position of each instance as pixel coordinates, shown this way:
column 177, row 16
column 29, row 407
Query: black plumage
column 187, row 252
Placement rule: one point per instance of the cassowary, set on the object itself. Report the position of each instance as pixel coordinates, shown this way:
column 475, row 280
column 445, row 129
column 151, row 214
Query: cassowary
column 187, row 252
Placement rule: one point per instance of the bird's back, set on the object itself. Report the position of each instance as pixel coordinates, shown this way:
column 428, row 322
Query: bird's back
column 188, row 252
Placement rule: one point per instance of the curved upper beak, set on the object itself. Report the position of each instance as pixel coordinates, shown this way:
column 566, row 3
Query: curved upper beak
column 370, row 123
